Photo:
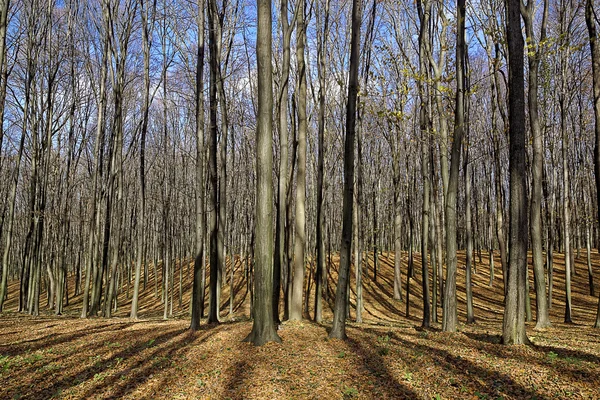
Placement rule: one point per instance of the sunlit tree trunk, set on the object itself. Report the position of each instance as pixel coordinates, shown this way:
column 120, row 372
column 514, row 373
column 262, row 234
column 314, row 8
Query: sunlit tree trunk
column 300, row 230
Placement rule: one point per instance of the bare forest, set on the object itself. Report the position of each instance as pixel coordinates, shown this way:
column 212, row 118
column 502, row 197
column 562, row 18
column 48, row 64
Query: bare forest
column 300, row 199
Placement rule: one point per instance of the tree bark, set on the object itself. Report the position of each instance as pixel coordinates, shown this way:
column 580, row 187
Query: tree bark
column 595, row 53
column 198, row 281
column 338, row 329
column 513, row 327
column 300, row 230
column 449, row 310
column 263, row 329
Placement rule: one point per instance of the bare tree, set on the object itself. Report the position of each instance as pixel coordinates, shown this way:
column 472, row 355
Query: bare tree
column 300, row 230
column 198, row 282
column 449, row 309
column 513, row 327
column 263, row 328
column 338, row 329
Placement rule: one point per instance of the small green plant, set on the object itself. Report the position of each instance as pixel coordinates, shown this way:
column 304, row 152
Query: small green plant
column 350, row 392
column 573, row 360
column 49, row 368
column 437, row 397
column 4, row 363
column 552, row 356
column 384, row 342
column 408, row 376
column 200, row 383
column 341, row 354
column 32, row 358
column 99, row 377
column 151, row 342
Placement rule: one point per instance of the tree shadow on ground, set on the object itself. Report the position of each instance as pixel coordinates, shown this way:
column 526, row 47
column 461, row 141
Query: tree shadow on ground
column 107, row 374
column 386, row 385
column 465, row 375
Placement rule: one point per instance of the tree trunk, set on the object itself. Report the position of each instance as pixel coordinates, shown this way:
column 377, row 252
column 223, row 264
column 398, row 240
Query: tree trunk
column 263, row 329
column 338, row 329
column 321, row 275
column 449, row 310
column 533, row 57
column 513, row 327
column 213, row 313
column 198, row 281
column 300, row 230
column 595, row 52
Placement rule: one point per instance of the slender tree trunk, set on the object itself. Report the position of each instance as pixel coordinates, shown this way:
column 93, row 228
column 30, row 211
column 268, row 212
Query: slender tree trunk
column 449, row 310
column 424, row 17
column 213, row 312
column 198, row 281
column 338, row 329
column 321, row 274
column 144, row 130
column 469, row 233
column 534, row 53
column 590, row 17
column 300, row 231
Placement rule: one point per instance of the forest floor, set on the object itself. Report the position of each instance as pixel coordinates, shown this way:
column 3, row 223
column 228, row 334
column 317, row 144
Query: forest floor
column 387, row 356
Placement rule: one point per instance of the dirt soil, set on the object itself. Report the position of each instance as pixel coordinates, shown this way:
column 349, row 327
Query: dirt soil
column 387, row 356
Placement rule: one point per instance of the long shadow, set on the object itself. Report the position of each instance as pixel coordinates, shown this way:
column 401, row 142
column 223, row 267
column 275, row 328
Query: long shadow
column 235, row 381
column 487, row 382
column 94, row 372
column 50, row 340
column 139, row 373
column 571, row 357
column 375, row 366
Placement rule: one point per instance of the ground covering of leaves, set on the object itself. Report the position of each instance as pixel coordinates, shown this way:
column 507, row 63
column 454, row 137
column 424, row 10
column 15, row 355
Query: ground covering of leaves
column 387, row 356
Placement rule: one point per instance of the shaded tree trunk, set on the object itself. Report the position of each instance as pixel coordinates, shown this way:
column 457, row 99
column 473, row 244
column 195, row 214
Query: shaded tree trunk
column 338, row 329
column 513, row 326
column 263, row 328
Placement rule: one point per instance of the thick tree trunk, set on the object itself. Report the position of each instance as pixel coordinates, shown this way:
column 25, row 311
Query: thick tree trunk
column 513, row 327
column 263, row 329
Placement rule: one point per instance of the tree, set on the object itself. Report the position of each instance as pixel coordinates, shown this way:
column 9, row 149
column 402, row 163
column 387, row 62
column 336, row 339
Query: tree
column 590, row 19
column 424, row 18
column 147, row 43
column 338, row 329
column 513, row 325
column 214, row 307
column 4, row 4
column 321, row 273
column 263, row 328
column 534, row 52
column 198, row 284
column 300, row 231
column 449, row 320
